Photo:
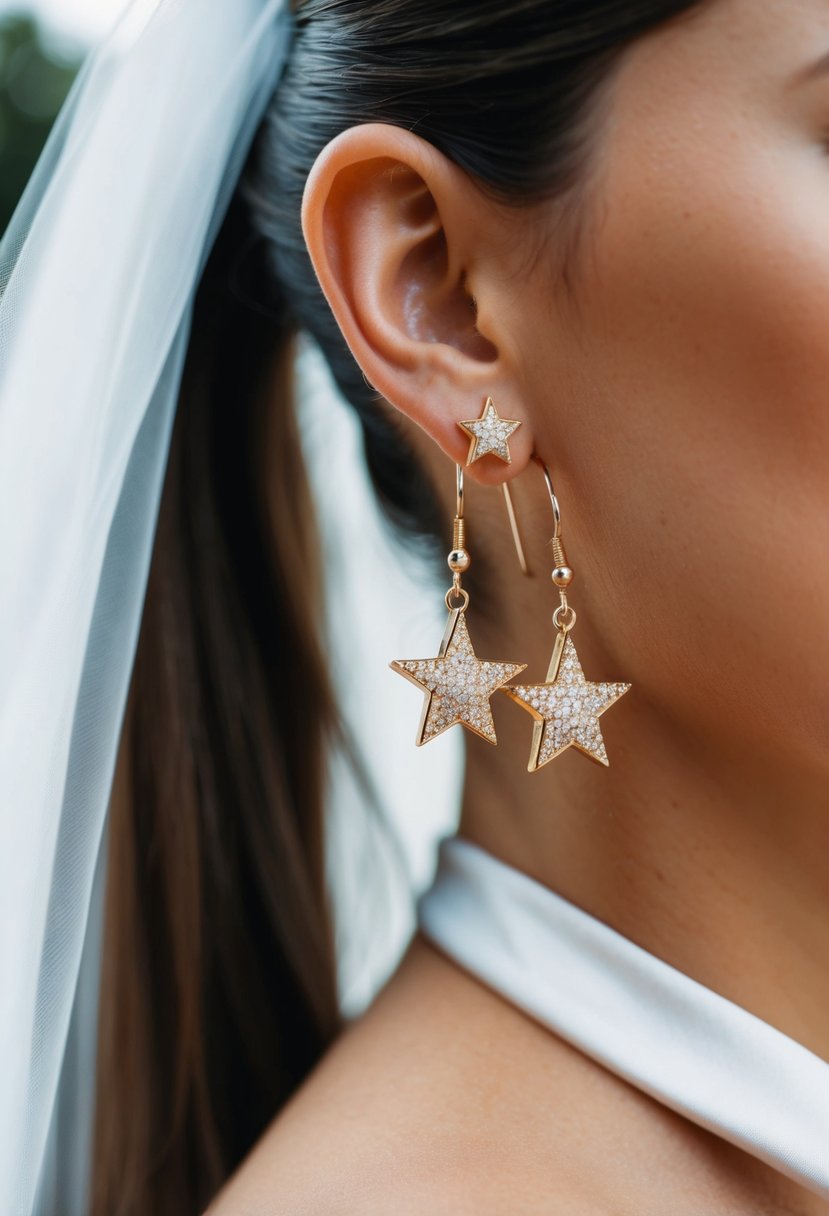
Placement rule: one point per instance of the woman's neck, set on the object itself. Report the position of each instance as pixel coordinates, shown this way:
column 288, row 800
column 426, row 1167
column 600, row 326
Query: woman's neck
column 713, row 861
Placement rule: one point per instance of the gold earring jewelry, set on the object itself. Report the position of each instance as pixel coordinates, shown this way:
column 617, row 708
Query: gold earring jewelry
column 489, row 433
column 458, row 685
column 566, row 707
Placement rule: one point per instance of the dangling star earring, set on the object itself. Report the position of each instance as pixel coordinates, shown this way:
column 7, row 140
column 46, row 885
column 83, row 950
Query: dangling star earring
column 489, row 433
column 566, row 707
column 458, row 685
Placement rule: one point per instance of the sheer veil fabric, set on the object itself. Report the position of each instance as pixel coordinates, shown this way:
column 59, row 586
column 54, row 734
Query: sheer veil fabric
column 97, row 272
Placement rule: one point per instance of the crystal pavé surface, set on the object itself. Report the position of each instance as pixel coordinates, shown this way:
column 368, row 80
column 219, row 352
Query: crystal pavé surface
column 458, row 684
column 491, row 433
column 569, row 708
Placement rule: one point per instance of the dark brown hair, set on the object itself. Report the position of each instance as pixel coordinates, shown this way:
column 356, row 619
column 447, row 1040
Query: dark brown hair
column 219, row 988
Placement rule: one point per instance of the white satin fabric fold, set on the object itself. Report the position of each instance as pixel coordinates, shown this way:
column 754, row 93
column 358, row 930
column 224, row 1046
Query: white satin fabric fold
column 692, row 1049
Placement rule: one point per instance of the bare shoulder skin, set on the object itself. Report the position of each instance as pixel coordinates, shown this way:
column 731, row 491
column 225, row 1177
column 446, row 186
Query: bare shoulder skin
column 444, row 1099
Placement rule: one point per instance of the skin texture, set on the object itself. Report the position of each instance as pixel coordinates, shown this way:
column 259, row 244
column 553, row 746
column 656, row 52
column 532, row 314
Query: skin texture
column 675, row 380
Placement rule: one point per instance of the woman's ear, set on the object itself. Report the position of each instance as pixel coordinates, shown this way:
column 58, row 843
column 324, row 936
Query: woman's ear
column 413, row 260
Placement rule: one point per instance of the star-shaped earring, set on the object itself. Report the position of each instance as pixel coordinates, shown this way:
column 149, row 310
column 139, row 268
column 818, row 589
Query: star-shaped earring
column 489, row 433
column 566, row 708
column 458, row 685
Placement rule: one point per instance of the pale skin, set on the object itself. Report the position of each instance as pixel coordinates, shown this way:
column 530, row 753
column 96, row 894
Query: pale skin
column 678, row 390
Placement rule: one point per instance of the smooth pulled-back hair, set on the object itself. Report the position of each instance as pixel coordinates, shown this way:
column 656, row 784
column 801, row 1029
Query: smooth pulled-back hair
column 219, row 983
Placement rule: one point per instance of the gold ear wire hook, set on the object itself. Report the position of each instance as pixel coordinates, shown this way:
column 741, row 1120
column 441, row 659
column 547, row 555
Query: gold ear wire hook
column 548, row 481
column 515, row 530
column 459, row 559
column 459, row 523
column 559, row 556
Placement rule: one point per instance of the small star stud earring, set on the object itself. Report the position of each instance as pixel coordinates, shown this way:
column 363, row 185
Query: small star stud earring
column 489, row 434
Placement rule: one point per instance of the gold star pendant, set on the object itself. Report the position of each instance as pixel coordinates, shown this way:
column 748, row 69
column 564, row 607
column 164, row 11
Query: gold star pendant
column 489, row 433
column 566, row 708
column 457, row 684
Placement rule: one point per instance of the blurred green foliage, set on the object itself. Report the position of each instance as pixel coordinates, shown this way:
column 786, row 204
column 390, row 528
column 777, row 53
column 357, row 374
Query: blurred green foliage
column 34, row 80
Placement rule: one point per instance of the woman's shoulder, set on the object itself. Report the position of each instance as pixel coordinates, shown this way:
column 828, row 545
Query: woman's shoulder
column 443, row 1098
column 411, row 1110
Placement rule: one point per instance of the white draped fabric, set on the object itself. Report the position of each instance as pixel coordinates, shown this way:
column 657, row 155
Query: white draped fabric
column 677, row 1040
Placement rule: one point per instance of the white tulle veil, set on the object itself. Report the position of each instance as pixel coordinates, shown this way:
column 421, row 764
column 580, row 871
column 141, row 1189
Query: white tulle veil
column 97, row 270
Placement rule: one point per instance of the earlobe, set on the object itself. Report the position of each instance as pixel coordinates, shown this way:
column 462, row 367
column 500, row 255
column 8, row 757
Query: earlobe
column 395, row 232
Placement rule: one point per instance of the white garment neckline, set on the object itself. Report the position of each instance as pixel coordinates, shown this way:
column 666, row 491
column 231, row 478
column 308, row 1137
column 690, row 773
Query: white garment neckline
column 692, row 1049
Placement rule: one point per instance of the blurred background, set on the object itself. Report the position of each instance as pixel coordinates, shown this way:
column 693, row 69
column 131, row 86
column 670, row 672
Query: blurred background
column 42, row 44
